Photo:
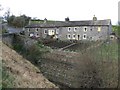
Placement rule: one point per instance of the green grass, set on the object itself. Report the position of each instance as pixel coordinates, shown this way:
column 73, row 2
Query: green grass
column 106, row 51
column 7, row 78
column 2, row 31
column 111, row 50
column 116, row 29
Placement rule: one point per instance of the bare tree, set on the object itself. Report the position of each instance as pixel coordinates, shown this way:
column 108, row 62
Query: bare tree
column 7, row 14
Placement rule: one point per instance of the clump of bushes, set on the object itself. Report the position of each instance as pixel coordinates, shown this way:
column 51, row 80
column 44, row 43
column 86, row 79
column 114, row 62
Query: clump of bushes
column 32, row 52
column 4, row 31
column 35, row 52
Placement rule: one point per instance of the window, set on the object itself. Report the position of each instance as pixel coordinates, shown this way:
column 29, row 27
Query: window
column 69, row 29
column 78, row 37
column 91, row 38
column 36, row 29
column 51, row 32
column 31, row 34
column 85, row 29
column 84, row 36
column 75, row 28
column 73, row 36
column 45, row 31
column 37, row 35
column 57, row 31
column 99, row 29
column 69, row 36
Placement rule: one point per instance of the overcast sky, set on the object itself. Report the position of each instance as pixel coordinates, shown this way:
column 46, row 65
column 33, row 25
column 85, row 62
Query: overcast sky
column 60, row 9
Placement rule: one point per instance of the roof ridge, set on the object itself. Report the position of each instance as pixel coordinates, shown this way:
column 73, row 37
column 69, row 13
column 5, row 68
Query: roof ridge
column 71, row 23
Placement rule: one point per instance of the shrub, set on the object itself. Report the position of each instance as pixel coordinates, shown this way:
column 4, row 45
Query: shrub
column 32, row 52
column 35, row 52
column 4, row 31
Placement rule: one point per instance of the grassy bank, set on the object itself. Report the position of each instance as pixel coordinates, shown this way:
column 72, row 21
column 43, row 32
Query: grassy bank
column 18, row 72
column 7, row 77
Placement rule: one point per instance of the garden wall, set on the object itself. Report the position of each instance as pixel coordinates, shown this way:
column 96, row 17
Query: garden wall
column 10, row 39
column 7, row 39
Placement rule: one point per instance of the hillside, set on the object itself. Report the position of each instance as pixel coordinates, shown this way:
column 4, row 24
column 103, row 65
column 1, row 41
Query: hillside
column 23, row 73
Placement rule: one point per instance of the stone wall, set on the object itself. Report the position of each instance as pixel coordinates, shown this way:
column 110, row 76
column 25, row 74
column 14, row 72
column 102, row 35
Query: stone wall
column 7, row 39
column 10, row 39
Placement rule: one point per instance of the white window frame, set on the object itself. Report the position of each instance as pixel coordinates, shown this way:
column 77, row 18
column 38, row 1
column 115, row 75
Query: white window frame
column 73, row 36
column 85, row 29
column 36, row 29
column 75, row 29
column 51, row 32
column 44, row 31
column 69, row 29
column 31, row 35
column 68, row 36
column 57, row 31
column 37, row 35
column 85, row 36
column 99, row 29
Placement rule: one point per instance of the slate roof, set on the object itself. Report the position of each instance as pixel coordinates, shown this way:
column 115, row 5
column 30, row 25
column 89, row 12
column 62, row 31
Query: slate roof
column 14, row 30
column 50, row 24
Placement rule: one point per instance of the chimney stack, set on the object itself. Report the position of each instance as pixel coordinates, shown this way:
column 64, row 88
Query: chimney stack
column 94, row 18
column 67, row 19
column 45, row 20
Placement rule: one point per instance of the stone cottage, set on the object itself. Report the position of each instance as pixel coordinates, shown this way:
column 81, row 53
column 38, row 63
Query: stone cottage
column 70, row 30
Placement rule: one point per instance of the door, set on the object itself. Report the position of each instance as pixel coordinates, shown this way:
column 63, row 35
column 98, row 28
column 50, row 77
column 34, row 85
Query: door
column 78, row 37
